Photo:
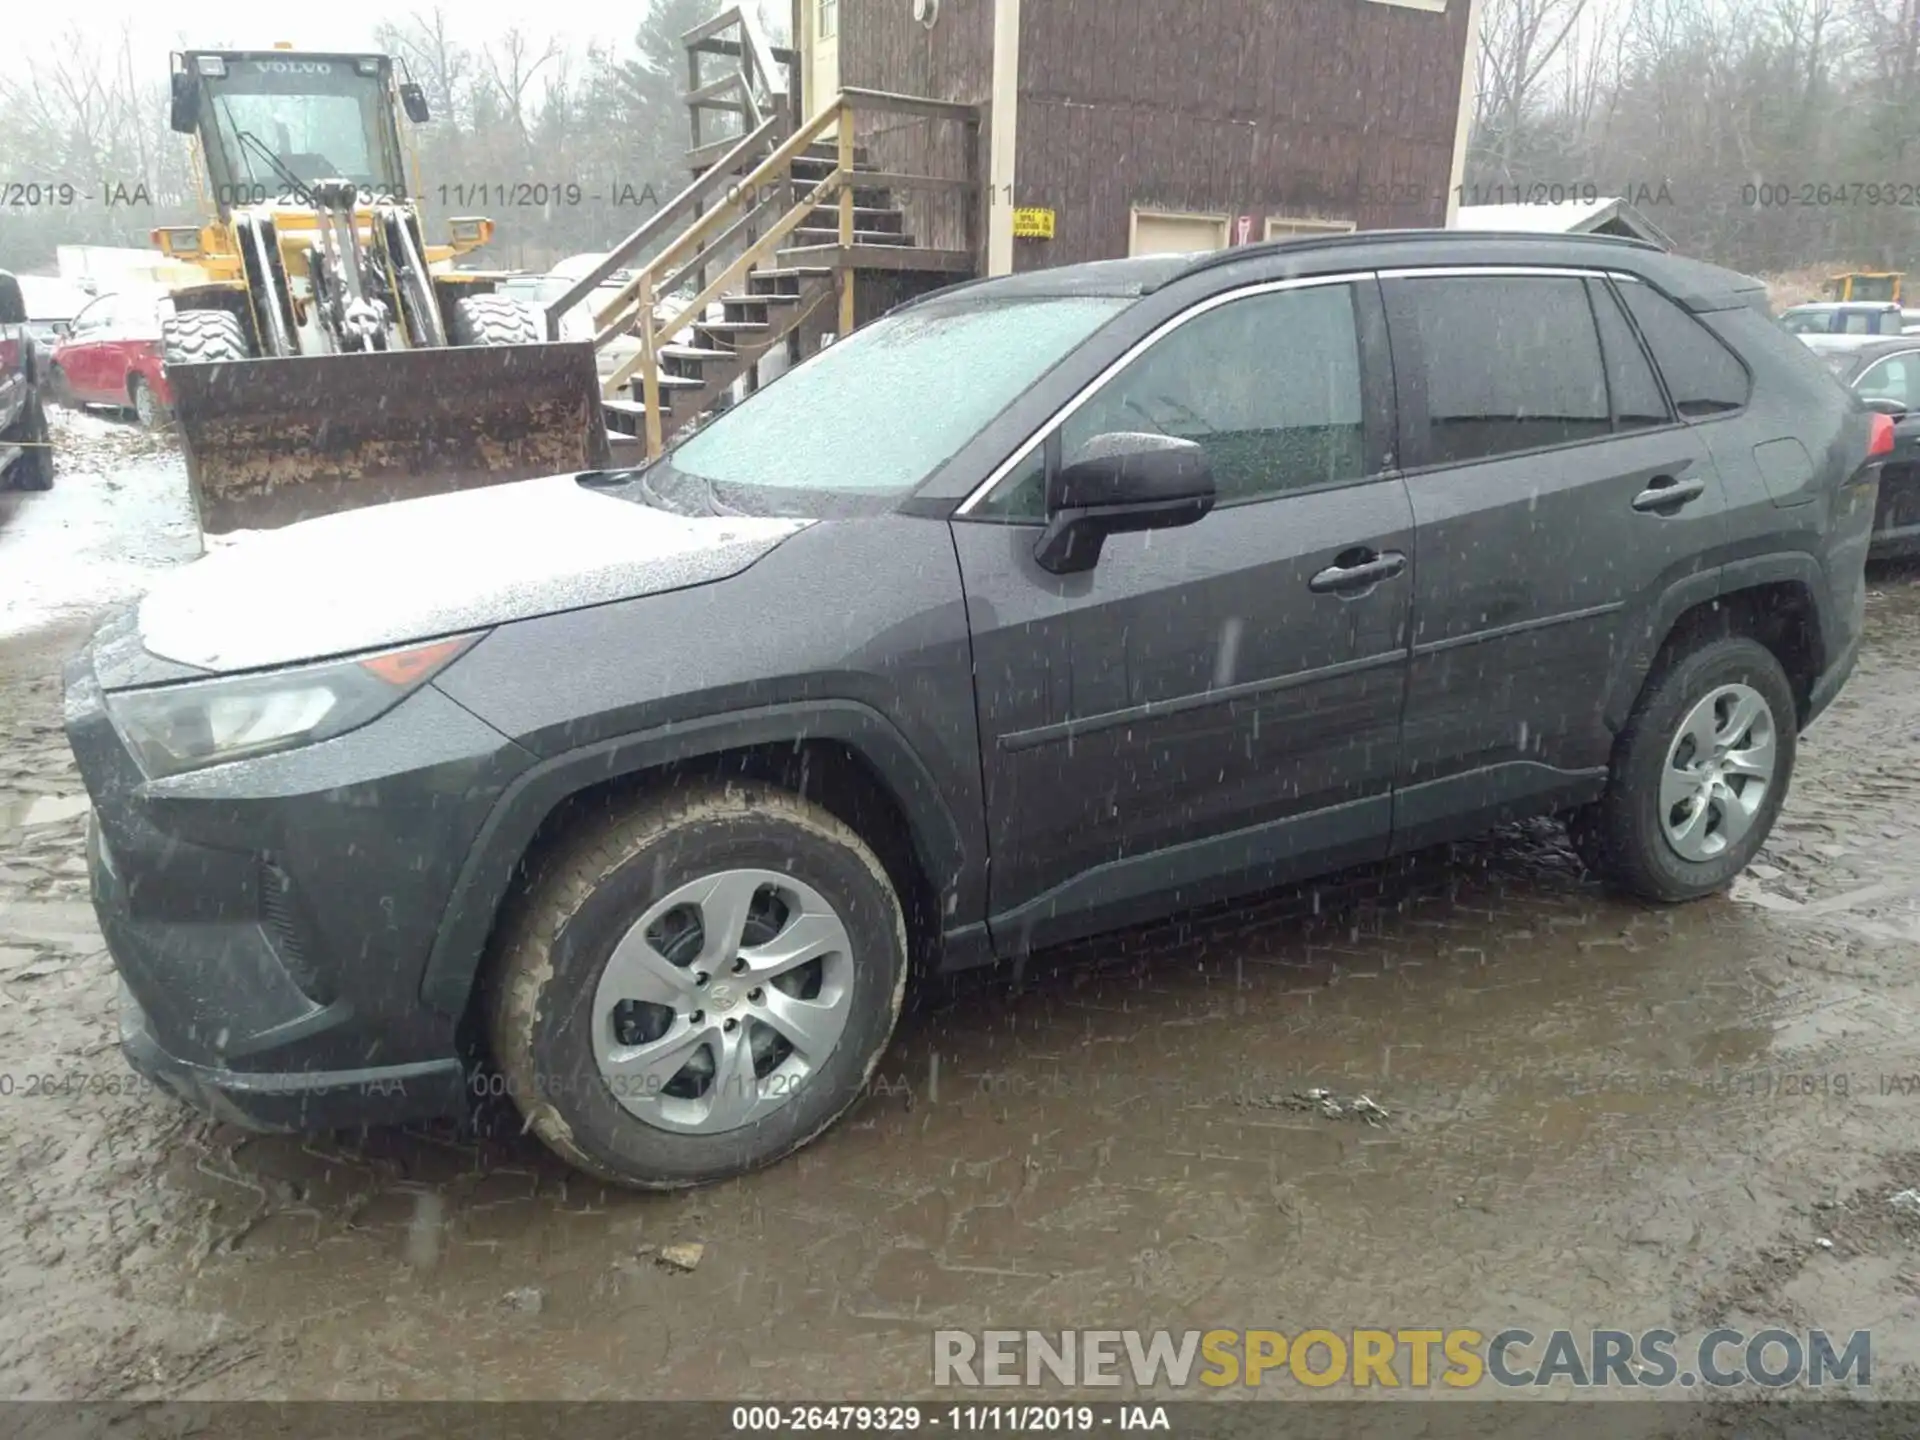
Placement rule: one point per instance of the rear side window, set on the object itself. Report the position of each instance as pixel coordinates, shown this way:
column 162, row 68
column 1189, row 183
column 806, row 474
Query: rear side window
column 1637, row 401
column 1703, row 376
column 1512, row 363
column 1895, row 378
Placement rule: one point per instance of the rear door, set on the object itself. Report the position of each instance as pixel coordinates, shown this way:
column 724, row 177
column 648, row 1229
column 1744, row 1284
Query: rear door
column 1554, row 494
column 1213, row 708
column 80, row 358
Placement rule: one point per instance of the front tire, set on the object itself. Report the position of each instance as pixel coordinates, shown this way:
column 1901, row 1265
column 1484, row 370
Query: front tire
column 200, row 337
column 493, row 320
column 1699, row 774
column 697, row 987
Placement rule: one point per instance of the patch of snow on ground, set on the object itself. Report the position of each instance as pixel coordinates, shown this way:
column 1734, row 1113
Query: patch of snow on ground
column 118, row 516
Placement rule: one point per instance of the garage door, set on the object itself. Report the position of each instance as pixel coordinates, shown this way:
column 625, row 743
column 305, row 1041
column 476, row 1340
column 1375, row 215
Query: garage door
column 1156, row 233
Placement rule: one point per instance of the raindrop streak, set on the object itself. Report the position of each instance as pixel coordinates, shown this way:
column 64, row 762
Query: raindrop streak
column 1227, row 659
column 426, row 1230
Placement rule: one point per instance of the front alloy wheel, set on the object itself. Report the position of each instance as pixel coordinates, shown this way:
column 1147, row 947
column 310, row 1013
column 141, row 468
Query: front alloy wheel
column 722, row 1000
column 696, row 987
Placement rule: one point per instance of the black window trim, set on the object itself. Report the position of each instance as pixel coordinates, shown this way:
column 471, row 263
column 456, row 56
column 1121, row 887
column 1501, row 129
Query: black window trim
column 1633, row 320
column 1606, row 289
column 1411, row 377
column 1376, row 389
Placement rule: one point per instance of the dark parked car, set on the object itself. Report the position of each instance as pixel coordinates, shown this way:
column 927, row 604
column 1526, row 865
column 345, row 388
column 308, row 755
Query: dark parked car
column 26, row 451
column 1886, row 375
column 653, row 788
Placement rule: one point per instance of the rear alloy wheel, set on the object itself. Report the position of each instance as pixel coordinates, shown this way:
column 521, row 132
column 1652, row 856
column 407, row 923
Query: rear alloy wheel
column 697, row 988
column 146, row 405
column 1699, row 774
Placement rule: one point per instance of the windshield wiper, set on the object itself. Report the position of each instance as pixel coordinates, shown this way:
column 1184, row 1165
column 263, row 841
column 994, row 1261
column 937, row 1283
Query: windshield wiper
column 246, row 137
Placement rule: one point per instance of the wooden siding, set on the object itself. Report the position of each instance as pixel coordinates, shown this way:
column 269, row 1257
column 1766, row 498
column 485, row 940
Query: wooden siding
column 882, row 47
column 1341, row 109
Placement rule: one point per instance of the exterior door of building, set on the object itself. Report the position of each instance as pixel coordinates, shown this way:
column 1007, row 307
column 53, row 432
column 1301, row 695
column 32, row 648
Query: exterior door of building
column 1157, row 232
column 823, row 55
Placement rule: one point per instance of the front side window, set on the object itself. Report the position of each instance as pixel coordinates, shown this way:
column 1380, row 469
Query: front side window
column 1269, row 386
column 1511, row 364
column 881, row 409
column 1702, row 374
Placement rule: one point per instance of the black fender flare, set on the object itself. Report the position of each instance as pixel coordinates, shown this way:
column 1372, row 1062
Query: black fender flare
column 1636, row 659
column 453, row 964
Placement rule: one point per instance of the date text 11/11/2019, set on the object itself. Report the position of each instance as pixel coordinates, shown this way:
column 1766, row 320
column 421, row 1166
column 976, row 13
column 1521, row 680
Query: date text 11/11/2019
column 540, row 194
column 1012, row 1418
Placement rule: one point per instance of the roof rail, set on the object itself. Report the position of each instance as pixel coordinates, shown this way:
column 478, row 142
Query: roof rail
column 1353, row 238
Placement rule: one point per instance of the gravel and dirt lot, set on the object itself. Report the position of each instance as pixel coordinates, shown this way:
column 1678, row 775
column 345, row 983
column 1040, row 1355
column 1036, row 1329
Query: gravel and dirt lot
column 1588, row 1113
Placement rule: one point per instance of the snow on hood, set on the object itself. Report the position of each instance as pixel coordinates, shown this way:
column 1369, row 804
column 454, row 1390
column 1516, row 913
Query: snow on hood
column 414, row 569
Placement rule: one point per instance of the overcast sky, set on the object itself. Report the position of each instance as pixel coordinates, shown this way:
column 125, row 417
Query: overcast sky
column 37, row 30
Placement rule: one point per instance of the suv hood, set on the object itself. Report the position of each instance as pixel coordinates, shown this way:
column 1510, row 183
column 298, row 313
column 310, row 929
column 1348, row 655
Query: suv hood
column 414, row 569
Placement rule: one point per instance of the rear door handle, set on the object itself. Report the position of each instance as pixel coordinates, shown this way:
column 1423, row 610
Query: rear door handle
column 1357, row 570
column 1667, row 493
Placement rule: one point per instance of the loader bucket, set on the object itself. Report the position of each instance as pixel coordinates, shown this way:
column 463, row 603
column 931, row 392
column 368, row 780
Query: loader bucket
column 269, row 442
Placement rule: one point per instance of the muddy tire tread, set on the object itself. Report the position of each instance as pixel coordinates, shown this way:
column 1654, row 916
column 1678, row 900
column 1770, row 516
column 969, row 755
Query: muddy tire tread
column 557, row 885
column 493, row 320
column 202, row 337
column 1609, row 835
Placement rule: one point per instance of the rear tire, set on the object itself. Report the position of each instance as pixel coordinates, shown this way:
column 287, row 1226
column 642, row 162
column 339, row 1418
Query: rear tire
column 620, row 1001
column 200, row 337
column 1667, row 830
column 147, row 408
column 34, row 469
column 494, row 320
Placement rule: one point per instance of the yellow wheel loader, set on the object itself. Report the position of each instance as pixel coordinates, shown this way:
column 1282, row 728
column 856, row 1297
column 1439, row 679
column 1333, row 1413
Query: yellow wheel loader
column 331, row 358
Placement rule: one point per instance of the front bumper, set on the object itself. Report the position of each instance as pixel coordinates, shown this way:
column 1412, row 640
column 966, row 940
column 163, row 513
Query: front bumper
column 271, row 918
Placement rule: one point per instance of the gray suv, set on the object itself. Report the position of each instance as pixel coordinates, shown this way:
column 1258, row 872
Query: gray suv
column 1039, row 607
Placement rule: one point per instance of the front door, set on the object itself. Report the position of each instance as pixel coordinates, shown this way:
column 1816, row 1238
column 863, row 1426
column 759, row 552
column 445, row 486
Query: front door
column 1213, row 708
column 823, row 55
column 1554, row 492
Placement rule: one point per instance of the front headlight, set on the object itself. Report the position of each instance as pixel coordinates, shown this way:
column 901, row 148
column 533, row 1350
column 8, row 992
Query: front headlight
column 175, row 728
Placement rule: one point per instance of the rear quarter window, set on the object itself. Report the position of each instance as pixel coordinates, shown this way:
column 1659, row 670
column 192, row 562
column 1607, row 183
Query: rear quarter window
column 1703, row 376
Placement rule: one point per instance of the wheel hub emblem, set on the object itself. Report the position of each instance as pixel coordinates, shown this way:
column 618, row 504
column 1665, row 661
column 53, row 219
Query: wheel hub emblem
column 722, row 997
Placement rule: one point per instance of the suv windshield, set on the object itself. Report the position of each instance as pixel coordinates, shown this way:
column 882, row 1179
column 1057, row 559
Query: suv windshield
column 882, row 409
column 271, row 121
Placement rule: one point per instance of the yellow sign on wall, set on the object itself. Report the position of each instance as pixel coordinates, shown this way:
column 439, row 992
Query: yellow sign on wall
column 1033, row 223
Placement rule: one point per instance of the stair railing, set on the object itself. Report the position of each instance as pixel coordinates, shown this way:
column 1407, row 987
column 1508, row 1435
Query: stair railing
column 758, row 89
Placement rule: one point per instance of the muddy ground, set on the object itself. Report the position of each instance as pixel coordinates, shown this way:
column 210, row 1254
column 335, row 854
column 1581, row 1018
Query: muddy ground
column 1597, row 1114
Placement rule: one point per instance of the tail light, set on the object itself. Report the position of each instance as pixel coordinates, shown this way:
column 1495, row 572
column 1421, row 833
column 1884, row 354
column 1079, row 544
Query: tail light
column 1882, row 441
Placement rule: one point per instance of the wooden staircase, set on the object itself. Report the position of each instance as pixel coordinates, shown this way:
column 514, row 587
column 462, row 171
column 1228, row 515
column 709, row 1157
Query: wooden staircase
column 788, row 235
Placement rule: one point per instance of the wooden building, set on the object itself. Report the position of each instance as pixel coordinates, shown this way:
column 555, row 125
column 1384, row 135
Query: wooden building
column 1130, row 126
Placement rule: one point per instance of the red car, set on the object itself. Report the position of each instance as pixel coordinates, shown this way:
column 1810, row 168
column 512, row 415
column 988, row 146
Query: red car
column 111, row 356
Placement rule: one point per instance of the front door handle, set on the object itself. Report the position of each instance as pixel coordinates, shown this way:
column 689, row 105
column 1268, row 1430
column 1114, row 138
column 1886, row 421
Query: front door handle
column 1357, row 570
column 1667, row 493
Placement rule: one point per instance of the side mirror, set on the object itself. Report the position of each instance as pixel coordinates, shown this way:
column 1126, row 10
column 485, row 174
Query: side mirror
column 1884, row 405
column 414, row 101
column 183, row 114
column 13, row 305
column 1119, row 483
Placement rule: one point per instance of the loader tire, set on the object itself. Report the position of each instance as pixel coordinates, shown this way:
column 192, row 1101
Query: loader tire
column 494, row 320
column 200, row 337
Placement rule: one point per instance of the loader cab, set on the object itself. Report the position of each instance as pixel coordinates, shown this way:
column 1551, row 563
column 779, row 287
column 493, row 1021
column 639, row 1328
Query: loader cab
column 272, row 123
